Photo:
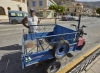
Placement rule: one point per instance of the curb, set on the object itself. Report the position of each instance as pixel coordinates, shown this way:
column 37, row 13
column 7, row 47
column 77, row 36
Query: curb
column 4, row 20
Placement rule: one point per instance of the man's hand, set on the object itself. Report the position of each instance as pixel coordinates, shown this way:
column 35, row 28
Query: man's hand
column 38, row 21
column 24, row 22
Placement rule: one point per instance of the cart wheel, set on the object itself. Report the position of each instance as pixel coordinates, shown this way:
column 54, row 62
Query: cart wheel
column 14, row 22
column 53, row 67
column 60, row 49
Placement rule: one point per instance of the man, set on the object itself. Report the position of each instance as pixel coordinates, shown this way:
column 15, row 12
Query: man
column 32, row 20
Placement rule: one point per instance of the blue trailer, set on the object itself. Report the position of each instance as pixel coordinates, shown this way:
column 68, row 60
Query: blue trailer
column 48, row 44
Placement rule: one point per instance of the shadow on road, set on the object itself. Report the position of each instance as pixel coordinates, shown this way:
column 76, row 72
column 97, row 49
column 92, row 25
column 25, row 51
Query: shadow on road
column 11, row 47
column 11, row 62
column 68, row 20
column 69, row 55
column 4, row 23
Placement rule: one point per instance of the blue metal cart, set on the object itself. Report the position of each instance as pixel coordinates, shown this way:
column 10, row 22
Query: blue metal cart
column 51, row 42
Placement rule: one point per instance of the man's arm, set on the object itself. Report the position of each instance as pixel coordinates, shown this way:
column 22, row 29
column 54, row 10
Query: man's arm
column 38, row 21
column 24, row 22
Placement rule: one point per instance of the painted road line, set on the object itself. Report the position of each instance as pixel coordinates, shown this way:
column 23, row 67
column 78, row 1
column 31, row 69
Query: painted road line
column 77, row 61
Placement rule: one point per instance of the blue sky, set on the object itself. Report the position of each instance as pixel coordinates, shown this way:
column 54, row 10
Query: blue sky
column 89, row 0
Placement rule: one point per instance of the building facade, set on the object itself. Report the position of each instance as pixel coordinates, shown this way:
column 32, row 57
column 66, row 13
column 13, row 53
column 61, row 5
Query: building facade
column 89, row 12
column 41, row 6
column 5, row 5
column 72, row 7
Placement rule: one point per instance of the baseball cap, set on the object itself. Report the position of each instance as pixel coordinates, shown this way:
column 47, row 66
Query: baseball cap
column 32, row 10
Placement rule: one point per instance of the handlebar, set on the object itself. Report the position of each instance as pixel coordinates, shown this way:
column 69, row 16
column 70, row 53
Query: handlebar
column 76, row 26
column 72, row 25
column 84, row 26
column 80, row 29
column 85, row 33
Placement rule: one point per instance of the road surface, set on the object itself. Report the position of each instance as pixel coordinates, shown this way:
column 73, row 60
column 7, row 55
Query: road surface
column 10, row 44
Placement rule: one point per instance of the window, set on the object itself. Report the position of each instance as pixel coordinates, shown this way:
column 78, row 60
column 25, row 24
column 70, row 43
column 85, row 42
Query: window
column 8, row 8
column 18, row 0
column 12, row 14
column 2, row 11
column 75, row 10
column 23, row 1
column 33, row 3
column 25, row 14
column 67, row 9
column 20, row 8
column 49, row 3
column 27, row 3
column 40, row 3
column 41, row 14
column 19, row 14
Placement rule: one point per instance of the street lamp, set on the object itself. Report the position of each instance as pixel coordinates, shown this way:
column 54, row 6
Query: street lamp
column 55, row 15
column 59, row 11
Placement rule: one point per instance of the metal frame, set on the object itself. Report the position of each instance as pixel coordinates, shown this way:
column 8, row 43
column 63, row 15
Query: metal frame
column 44, row 33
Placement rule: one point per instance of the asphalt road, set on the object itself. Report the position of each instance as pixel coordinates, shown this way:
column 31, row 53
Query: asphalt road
column 10, row 44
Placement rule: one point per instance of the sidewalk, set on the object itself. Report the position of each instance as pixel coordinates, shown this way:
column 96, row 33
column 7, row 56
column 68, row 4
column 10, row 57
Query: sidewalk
column 94, row 67
column 4, row 20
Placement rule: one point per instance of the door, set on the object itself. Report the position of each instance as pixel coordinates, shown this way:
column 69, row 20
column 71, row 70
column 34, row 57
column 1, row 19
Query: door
column 12, row 16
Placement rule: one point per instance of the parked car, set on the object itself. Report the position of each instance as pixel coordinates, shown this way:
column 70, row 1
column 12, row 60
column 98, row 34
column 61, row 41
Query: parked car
column 68, row 17
column 16, row 17
column 98, row 16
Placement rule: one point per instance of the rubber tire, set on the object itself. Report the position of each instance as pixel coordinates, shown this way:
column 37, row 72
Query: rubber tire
column 47, row 68
column 14, row 22
column 56, row 46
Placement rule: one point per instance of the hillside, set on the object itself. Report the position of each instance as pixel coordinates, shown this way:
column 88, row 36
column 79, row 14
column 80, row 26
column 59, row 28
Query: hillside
column 93, row 5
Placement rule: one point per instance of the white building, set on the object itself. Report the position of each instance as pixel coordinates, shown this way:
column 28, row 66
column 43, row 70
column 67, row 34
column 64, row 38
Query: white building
column 6, row 5
column 41, row 6
column 72, row 7
column 89, row 11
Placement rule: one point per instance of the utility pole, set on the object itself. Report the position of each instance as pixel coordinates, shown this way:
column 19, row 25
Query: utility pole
column 55, row 15
column 79, row 21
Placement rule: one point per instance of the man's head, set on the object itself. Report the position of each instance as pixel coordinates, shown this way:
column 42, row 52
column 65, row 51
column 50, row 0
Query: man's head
column 32, row 12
